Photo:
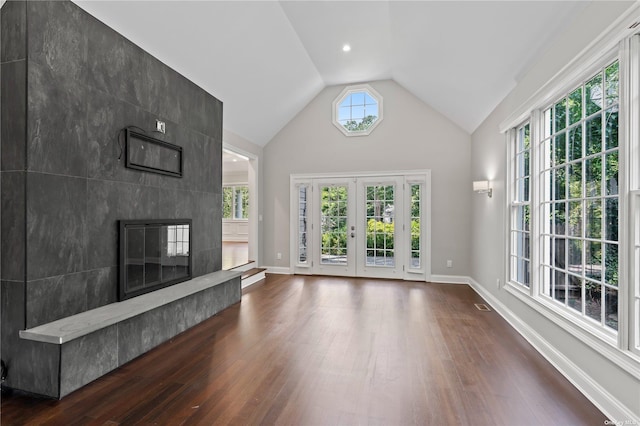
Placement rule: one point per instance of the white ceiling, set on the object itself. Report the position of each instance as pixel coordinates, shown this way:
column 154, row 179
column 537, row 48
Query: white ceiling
column 267, row 59
column 234, row 163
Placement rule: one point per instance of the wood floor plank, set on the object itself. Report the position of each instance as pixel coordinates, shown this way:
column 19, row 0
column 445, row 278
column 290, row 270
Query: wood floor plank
column 319, row 350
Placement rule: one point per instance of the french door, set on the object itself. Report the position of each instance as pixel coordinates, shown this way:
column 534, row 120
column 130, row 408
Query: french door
column 366, row 226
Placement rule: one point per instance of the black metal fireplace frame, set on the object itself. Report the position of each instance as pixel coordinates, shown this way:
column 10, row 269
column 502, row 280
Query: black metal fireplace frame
column 123, row 292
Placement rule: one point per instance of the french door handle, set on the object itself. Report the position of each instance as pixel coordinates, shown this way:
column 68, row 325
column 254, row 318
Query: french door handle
column 353, row 235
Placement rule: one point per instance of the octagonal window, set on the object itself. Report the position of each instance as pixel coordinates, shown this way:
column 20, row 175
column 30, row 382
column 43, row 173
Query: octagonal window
column 357, row 110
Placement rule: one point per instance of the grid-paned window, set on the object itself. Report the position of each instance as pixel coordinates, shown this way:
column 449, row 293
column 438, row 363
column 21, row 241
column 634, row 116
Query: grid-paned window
column 380, row 225
column 579, row 199
column 333, row 219
column 178, row 240
column 357, row 110
column 520, row 238
column 235, row 202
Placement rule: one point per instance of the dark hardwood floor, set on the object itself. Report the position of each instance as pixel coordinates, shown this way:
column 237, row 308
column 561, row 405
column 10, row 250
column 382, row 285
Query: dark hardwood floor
column 317, row 350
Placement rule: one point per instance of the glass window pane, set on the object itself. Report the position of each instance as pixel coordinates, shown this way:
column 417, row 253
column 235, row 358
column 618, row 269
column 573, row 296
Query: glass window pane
column 593, row 300
column 611, row 219
column 611, row 308
column 574, row 292
column 593, row 181
column 560, row 148
column 546, row 281
column 559, row 253
column 611, row 270
column 611, row 83
column 593, row 260
column 593, row 135
column 575, row 218
column 357, row 113
column 333, row 228
column 546, row 249
column 575, row 106
column 523, row 218
column 560, row 210
column 560, row 110
column 357, row 98
column 548, row 122
column 575, row 143
column 560, row 286
column 369, row 100
column 611, row 173
column 593, row 221
column 575, row 180
column 523, row 272
column 611, row 128
column 575, row 256
column 559, row 178
column 593, row 95
column 523, row 189
column 227, row 202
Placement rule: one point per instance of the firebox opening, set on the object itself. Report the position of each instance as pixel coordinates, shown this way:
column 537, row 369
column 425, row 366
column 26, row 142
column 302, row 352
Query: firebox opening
column 153, row 254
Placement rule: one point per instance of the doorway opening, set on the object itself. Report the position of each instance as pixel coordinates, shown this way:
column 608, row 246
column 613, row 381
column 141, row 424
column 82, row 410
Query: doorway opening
column 366, row 225
column 239, row 207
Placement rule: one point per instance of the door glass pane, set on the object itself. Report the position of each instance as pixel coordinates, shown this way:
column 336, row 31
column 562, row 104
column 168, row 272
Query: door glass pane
column 415, row 225
column 333, row 222
column 302, row 224
column 380, row 220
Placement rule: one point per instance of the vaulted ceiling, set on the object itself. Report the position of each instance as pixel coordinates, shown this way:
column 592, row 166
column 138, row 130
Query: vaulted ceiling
column 267, row 59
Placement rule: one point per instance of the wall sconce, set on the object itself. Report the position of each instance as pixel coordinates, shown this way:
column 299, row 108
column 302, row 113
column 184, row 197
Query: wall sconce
column 483, row 187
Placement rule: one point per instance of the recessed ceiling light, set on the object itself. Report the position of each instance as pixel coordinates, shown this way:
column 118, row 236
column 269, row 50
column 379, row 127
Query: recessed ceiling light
column 235, row 160
column 346, row 48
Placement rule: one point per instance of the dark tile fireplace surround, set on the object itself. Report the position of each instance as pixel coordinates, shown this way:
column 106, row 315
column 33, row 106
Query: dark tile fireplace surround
column 69, row 85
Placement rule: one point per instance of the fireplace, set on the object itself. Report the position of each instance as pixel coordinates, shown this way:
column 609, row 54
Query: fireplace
column 153, row 254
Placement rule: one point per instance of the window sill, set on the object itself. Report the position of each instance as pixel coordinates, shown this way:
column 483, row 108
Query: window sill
column 600, row 341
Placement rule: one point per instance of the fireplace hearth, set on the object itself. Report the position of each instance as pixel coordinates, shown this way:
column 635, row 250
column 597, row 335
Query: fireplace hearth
column 153, row 254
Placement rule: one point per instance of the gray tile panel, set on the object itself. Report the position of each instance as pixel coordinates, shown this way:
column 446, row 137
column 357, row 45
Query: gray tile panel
column 12, row 226
column 57, row 36
column 13, row 111
column 56, row 215
column 85, row 359
column 13, row 27
column 56, row 130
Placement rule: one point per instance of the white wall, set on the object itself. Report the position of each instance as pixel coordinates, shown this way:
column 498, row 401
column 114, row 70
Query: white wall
column 411, row 136
column 235, row 178
column 488, row 219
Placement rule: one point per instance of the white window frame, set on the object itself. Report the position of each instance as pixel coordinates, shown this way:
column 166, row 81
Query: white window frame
column 298, row 266
column 515, row 202
column 349, row 90
column 623, row 347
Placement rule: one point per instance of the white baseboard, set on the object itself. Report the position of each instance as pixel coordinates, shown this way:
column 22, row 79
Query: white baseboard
column 610, row 406
column 449, row 279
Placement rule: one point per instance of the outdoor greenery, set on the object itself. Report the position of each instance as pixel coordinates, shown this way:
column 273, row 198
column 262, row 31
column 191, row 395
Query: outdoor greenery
column 360, row 125
column 584, row 186
column 380, row 225
column 235, row 202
